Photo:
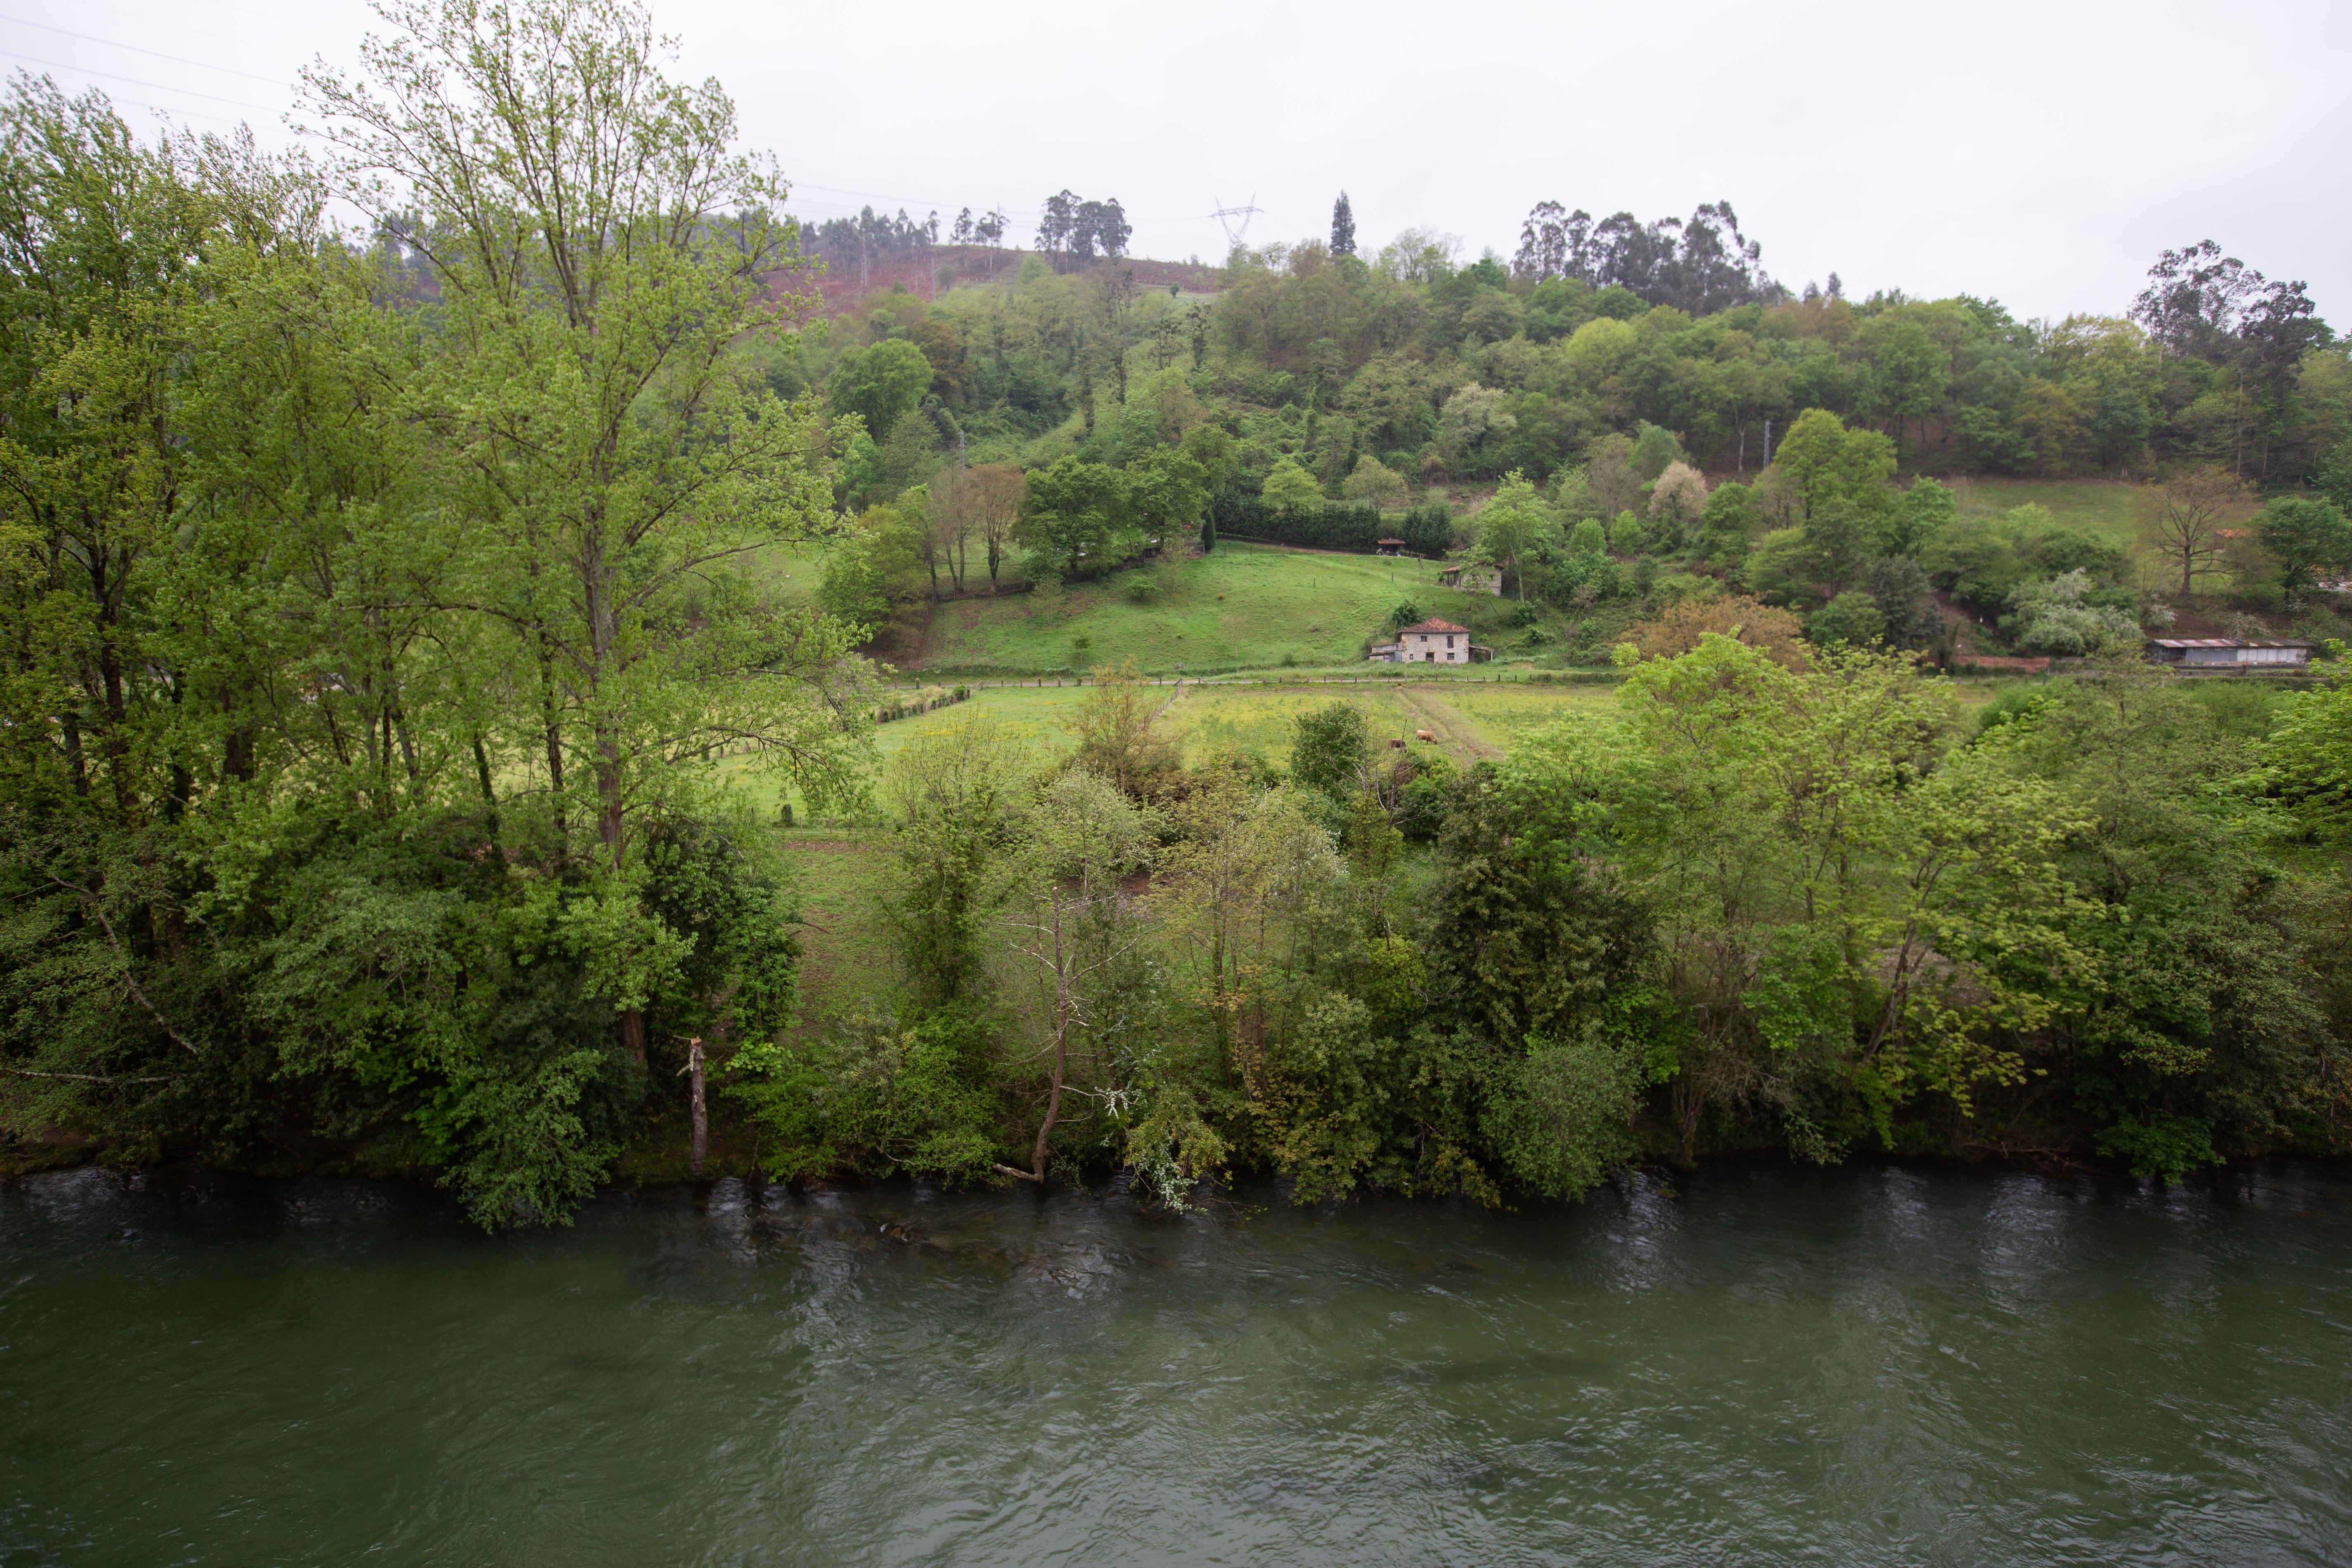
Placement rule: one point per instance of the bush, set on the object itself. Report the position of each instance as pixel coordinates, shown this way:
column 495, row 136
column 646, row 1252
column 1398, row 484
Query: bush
column 1563, row 1116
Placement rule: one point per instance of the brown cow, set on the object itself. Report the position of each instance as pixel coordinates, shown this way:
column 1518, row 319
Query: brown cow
column 1422, row 736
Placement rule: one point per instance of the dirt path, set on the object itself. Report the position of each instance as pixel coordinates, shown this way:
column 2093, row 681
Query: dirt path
column 1453, row 731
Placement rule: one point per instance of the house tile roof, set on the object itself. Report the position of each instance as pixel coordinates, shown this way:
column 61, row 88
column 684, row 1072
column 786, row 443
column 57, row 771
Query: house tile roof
column 1436, row 627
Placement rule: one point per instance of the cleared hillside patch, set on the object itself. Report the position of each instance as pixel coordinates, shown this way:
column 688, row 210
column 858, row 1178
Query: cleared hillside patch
column 1242, row 606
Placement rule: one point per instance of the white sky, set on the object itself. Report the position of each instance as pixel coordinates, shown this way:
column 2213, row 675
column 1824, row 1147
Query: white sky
column 2040, row 153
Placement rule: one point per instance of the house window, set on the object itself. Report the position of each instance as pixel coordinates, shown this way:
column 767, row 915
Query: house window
column 1449, row 642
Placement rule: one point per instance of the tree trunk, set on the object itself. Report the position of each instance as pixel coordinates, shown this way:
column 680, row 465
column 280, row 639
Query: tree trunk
column 1061, row 1049
column 69, row 722
column 701, row 1115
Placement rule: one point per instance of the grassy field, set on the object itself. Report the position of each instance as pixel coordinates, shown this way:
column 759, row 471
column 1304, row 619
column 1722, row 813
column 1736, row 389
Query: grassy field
column 2113, row 507
column 1240, row 607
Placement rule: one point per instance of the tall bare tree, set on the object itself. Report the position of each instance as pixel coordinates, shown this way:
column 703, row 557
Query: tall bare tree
column 2191, row 510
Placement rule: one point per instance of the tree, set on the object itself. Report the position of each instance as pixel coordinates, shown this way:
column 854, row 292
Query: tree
column 1850, row 618
column 1611, row 477
column 1925, row 511
column 1826, row 461
column 910, row 455
column 1900, row 591
column 1167, row 494
column 1514, row 526
column 1729, row 522
column 875, row 569
column 1329, row 747
column 601, row 253
column 2194, row 297
column 1654, row 447
column 1115, row 729
column 1067, row 912
column 983, row 499
column 1677, row 501
column 1291, row 487
column 1075, row 516
column 1374, row 481
column 956, row 790
column 2191, row 509
column 1343, row 226
column 2307, row 536
column 881, row 385
column 1246, row 864
column 2053, row 617
column 1678, row 629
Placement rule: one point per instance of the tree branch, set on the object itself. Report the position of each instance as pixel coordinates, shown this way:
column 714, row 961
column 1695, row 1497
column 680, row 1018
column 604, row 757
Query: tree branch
column 128, row 978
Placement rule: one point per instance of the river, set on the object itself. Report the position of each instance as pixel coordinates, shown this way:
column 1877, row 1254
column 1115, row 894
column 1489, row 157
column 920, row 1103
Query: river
column 1868, row 1365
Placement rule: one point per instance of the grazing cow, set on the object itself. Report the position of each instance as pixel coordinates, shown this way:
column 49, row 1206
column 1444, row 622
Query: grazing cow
column 1422, row 736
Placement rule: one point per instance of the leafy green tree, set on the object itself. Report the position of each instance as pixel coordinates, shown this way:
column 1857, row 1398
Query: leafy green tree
column 2307, row 536
column 1729, row 523
column 1913, row 373
column 881, row 385
column 2334, row 477
column 1851, row 618
column 1515, row 526
column 1654, row 448
column 875, row 570
column 1329, row 748
column 1529, row 939
column 1900, row 593
column 1589, row 540
column 1826, row 461
column 955, row 790
column 1927, row 509
column 1167, row 494
column 908, row 458
column 1627, row 536
column 1068, row 920
column 1561, row 1122
column 1291, row 487
column 590, row 294
column 1075, row 516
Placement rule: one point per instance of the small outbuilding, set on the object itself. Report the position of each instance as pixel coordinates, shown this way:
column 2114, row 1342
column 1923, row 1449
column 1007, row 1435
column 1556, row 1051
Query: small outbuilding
column 1472, row 577
column 2229, row 653
column 1391, row 547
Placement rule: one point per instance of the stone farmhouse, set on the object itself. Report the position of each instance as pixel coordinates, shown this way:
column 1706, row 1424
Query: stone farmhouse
column 1431, row 641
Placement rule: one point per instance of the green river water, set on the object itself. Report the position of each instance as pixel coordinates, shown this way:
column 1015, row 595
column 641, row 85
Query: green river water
column 1870, row 1365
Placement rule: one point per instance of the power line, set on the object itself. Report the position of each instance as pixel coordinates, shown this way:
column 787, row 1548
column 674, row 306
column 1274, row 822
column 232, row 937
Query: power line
column 135, row 82
column 134, row 48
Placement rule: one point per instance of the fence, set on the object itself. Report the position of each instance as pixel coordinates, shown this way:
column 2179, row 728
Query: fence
column 919, row 703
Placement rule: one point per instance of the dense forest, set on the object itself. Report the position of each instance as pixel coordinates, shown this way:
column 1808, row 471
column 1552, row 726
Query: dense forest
column 377, row 606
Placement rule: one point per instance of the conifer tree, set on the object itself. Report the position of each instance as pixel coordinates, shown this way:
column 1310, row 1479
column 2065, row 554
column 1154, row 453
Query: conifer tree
column 1343, row 226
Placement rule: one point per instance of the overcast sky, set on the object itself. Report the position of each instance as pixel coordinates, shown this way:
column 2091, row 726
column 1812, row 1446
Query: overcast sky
column 2040, row 153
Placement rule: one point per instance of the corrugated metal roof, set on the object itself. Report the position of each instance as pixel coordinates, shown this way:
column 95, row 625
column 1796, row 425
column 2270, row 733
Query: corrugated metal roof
column 2224, row 642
